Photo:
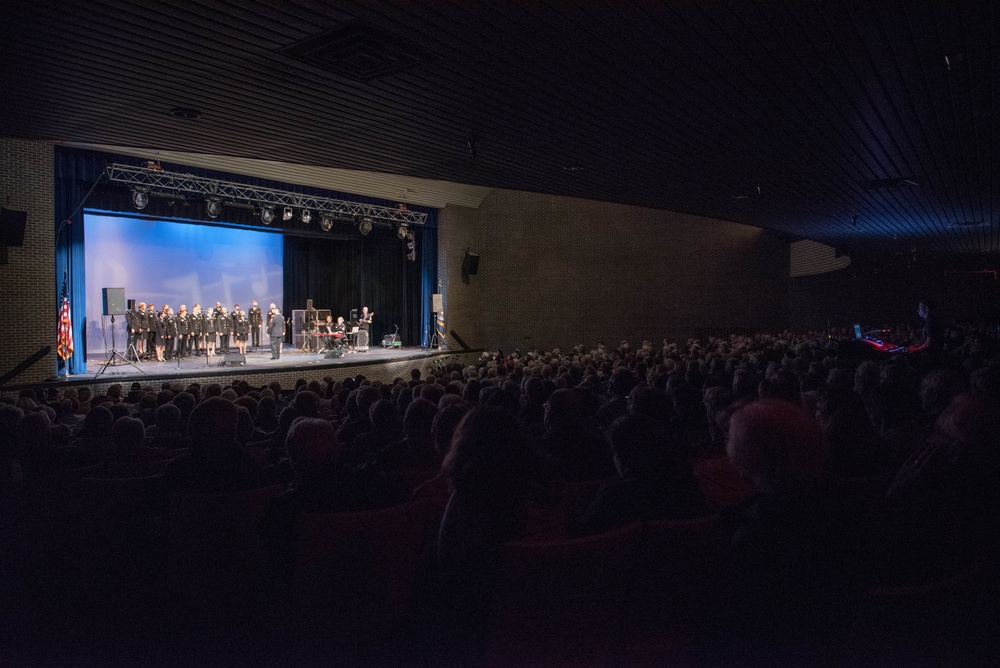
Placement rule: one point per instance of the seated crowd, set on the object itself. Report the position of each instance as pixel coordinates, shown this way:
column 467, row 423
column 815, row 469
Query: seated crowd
column 830, row 473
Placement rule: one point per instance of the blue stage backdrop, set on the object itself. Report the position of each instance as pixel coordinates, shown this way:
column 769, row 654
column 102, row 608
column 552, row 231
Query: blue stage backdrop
column 175, row 263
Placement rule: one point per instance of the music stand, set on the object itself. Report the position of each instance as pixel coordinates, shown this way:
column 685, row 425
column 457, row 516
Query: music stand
column 114, row 358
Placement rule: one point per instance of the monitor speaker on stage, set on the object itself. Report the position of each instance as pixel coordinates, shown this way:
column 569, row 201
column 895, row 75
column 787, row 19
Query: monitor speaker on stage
column 114, row 301
column 233, row 359
column 437, row 303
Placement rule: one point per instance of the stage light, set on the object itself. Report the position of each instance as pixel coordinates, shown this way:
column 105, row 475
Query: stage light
column 140, row 197
column 365, row 226
column 326, row 222
column 267, row 214
column 401, row 231
column 213, row 206
column 287, row 214
column 306, row 216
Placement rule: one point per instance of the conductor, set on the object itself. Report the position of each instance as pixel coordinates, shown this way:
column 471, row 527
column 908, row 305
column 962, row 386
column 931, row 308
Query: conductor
column 276, row 332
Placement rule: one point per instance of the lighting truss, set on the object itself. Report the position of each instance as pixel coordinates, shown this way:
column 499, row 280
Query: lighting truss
column 188, row 184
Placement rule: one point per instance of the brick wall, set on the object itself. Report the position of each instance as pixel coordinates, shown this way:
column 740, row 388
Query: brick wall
column 556, row 271
column 27, row 279
column 458, row 229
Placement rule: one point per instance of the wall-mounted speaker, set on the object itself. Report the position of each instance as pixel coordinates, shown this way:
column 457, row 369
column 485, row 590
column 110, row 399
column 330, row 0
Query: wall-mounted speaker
column 113, row 300
column 470, row 265
column 12, row 226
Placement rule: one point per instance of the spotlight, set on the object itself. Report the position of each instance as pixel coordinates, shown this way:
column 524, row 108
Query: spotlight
column 287, row 214
column 213, row 206
column 140, row 197
column 401, row 231
column 326, row 222
column 306, row 216
column 267, row 214
column 365, row 226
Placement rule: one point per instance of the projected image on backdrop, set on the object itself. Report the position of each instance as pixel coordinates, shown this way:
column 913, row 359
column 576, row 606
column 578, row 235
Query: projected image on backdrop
column 175, row 263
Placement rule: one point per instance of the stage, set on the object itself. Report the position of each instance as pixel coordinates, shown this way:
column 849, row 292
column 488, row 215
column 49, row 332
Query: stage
column 383, row 364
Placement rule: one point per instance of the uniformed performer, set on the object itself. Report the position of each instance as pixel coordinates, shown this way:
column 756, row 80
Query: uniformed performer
column 161, row 334
column 196, row 343
column 142, row 320
column 170, row 327
column 209, row 331
column 132, row 327
column 152, row 319
column 341, row 328
column 183, row 321
column 224, row 326
column 256, row 318
column 241, row 329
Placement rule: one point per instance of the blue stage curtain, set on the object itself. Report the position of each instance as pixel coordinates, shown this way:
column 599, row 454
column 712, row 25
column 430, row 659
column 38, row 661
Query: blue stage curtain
column 429, row 277
column 75, row 173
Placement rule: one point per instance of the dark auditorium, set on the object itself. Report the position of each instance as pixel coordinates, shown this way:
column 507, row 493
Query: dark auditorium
column 424, row 333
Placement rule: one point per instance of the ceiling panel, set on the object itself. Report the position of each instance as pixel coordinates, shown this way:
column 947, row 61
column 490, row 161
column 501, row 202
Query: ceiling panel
column 845, row 121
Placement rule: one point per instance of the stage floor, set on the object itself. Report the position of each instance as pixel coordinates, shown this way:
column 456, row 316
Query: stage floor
column 256, row 362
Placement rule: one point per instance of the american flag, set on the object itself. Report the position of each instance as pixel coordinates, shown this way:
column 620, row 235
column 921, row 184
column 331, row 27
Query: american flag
column 65, row 347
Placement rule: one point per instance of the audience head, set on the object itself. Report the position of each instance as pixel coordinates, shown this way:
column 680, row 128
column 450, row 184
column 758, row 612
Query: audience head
column 419, row 418
column 212, row 426
column 490, row 455
column 777, row 445
column 642, row 446
column 98, row 421
column 127, row 435
column 312, row 445
column 382, row 415
column 168, row 419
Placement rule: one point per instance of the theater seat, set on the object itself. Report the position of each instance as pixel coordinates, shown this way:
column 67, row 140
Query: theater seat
column 680, row 567
column 579, row 496
column 358, row 569
column 561, row 602
column 215, row 555
column 722, row 486
column 123, row 527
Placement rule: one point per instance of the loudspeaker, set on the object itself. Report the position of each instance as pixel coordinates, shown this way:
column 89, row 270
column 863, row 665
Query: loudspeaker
column 233, row 359
column 114, row 301
column 12, row 225
column 470, row 265
column 130, row 304
column 309, row 304
column 437, row 303
column 388, row 340
column 362, row 344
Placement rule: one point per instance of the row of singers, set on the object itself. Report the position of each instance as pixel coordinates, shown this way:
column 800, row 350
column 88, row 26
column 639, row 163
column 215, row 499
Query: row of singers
column 161, row 334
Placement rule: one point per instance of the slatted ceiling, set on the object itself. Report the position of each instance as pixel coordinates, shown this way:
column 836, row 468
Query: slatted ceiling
column 679, row 105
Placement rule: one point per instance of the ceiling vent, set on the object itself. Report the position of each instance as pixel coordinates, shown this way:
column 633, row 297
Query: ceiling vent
column 360, row 51
column 888, row 185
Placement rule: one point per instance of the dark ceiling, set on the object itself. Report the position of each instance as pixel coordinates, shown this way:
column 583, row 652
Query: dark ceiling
column 848, row 122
